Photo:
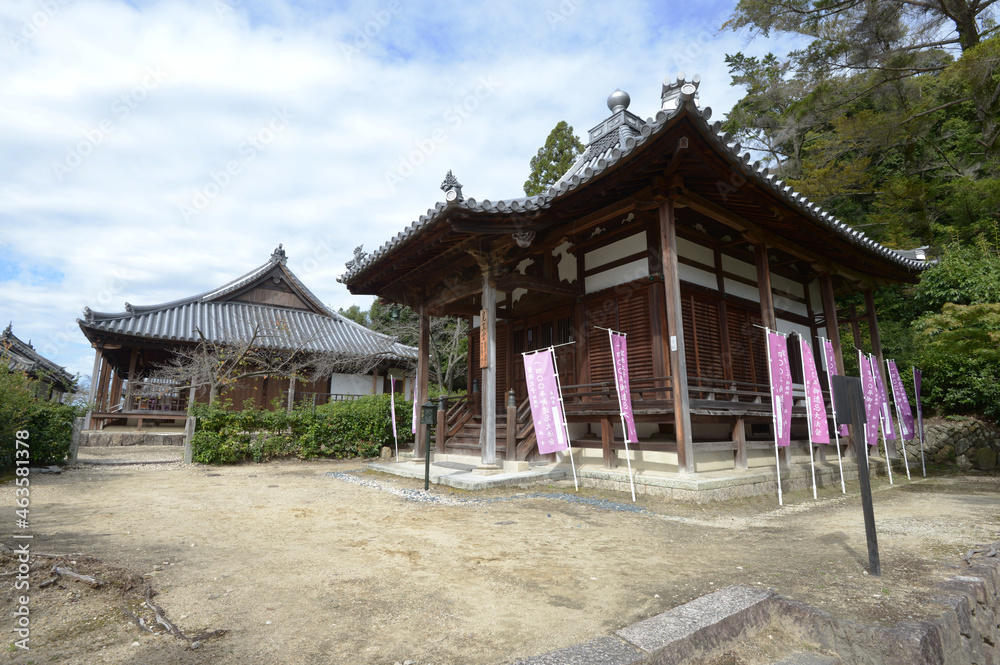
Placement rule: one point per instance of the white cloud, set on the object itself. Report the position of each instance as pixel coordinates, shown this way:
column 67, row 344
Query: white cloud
column 281, row 122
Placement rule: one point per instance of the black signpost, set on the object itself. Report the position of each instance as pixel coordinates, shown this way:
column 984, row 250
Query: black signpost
column 850, row 402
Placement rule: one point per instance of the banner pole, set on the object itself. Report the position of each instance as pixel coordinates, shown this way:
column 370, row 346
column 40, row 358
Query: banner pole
column 833, row 408
column 562, row 408
column 885, row 439
column 392, row 407
column 805, row 387
column 621, row 407
column 899, row 417
column 774, row 418
column 920, row 421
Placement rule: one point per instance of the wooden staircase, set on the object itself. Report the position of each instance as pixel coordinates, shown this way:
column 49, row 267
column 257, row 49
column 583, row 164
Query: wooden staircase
column 463, row 426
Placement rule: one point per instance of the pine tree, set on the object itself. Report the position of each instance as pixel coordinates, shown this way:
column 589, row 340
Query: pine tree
column 561, row 149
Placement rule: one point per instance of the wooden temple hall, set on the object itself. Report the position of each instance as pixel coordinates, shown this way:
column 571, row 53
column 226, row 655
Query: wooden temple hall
column 665, row 231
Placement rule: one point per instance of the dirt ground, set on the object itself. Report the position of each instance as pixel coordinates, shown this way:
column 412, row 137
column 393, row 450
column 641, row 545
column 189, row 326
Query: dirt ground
column 300, row 566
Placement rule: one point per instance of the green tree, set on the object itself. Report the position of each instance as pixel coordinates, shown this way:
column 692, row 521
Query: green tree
column 561, row 149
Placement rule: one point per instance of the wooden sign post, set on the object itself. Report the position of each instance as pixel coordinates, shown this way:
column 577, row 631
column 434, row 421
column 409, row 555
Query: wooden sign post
column 484, row 339
column 849, row 400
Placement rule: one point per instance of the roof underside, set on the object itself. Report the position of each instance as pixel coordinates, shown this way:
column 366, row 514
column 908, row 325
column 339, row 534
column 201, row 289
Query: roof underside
column 677, row 155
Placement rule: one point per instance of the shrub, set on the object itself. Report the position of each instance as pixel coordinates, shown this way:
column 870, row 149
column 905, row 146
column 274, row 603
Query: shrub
column 353, row 428
column 49, row 424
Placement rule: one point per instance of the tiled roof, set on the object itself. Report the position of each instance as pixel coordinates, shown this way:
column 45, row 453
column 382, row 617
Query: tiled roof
column 21, row 356
column 605, row 152
column 218, row 320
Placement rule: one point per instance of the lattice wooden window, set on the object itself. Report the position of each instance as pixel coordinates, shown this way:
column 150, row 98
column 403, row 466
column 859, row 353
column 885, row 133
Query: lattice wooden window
column 603, row 313
column 702, row 336
column 746, row 342
column 633, row 320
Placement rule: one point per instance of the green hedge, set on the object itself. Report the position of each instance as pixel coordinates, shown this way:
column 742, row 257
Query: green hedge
column 352, row 428
column 49, row 425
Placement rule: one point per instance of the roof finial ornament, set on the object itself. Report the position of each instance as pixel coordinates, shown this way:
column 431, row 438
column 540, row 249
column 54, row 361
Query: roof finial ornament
column 279, row 256
column 452, row 188
column 618, row 100
column 359, row 258
column 9, row 330
column 677, row 92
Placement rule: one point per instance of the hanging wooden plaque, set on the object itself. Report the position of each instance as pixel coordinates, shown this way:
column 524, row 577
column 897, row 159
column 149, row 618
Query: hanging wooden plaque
column 484, row 339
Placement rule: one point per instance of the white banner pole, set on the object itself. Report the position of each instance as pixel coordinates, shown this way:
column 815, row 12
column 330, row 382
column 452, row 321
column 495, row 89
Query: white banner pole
column 899, row 417
column 562, row 408
column 920, row 423
column 833, row 408
column 885, row 439
column 774, row 417
column 621, row 411
column 392, row 407
column 805, row 387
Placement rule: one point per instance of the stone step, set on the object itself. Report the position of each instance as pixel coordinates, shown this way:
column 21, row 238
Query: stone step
column 808, row 658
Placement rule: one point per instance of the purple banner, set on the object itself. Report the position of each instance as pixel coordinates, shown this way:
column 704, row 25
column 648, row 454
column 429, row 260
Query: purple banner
column 781, row 387
column 870, row 390
column 815, row 408
column 902, row 401
column 543, row 398
column 392, row 406
column 884, row 412
column 619, row 356
column 917, row 377
column 831, row 371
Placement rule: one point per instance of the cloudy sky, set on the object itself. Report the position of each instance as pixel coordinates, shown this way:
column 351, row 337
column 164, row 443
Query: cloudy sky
column 151, row 150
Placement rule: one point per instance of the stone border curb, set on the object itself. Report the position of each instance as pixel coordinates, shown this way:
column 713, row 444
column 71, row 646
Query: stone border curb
column 967, row 631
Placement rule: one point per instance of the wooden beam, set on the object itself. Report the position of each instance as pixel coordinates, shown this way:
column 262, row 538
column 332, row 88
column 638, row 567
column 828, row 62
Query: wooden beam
column 742, row 462
column 756, row 235
column 612, row 211
column 518, row 281
column 675, row 337
column 764, row 286
column 452, row 293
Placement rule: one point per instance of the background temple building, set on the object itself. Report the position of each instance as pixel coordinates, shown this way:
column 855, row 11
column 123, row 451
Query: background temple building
column 21, row 356
column 268, row 308
column 664, row 231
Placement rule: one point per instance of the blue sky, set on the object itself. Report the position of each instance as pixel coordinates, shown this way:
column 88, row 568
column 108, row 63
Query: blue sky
column 151, row 150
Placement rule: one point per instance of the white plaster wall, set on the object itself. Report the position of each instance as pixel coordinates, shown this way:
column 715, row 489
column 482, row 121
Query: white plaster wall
column 630, row 271
column 788, row 285
column 697, row 276
column 516, row 295
column 742, row 290
column 351, row 384
column 788, row 327
column 780, row 302
column 567, row 262
column 816, row 295
column 696, row 252
column 741, row 268
column 616, row 250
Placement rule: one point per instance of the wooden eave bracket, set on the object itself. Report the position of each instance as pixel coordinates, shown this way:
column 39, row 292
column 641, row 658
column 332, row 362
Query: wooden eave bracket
column 531, row 283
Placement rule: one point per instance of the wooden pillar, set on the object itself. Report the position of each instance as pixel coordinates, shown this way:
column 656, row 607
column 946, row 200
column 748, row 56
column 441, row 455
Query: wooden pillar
column 105, row 382
column 764, row 286
column 131, row 378
column 441, row 430
column 874, row 334
column 740, row 437
column 675, row 338
column 607, row 439
column 88, row 422
column 488, row 432
column 423, row 374
column 511, row 426
column 291, row 394
column 832, row 324
column 855, row 328
column 833, row 334
column 116, row 389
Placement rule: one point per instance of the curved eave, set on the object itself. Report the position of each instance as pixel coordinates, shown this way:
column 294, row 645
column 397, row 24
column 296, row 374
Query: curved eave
column 614, row 159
